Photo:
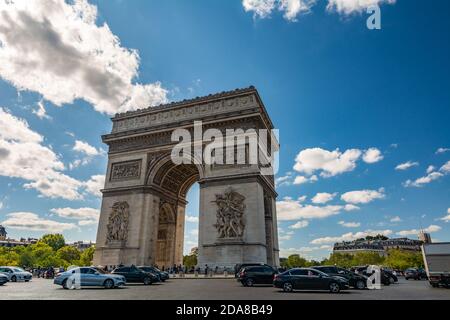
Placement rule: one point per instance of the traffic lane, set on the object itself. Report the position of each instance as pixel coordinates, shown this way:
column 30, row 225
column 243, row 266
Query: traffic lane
column 215, row 289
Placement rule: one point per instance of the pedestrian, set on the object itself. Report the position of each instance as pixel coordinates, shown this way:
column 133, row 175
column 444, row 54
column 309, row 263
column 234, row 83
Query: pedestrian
column 206, row 269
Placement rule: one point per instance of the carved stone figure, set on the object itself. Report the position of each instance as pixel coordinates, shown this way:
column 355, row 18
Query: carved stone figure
column 126, row 170
column 230, row 212
column 118, row 222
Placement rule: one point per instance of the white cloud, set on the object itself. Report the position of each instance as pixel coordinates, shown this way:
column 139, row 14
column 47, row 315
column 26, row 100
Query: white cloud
column 56, row 49
column 40, row 112
column 1, row 205
column 395, row 219
column 442, row 150
column 284, row 180
column 429, row 229
column 85, row 216
column 447, row 217
column 323, row 197
column 302, row 198
column 419, row 182
column 406, row 165
column 372, row 155
column 349, row 224
column 289, row 209
column 85, row 148
column 192, row 219
column 300, row 224
column 302, row 251
column 350, row 236
column 302, row 179
column 329, row 163
column 290, row 8
column 23, row 155
column 446, row 167
column 31, row 221
column 351, row 207
column 95, row 184
column 430, row 169
column 362, row 196
column 347, row 7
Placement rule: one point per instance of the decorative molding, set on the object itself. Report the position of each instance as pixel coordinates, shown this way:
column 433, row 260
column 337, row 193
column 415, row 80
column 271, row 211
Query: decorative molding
column 126, row 170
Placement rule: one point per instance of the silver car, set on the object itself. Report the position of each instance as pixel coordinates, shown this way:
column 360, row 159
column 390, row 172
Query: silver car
column 87, row 277
column 16, row 274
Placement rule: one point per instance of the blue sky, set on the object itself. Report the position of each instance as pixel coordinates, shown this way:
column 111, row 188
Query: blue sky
column 333, row 88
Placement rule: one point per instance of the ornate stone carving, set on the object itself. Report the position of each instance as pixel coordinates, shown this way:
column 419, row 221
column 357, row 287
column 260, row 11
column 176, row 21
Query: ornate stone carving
column 126, row 170
column 118, row 222
column 230, row 214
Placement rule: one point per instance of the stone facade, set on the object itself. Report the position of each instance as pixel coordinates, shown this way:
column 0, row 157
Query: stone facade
column 144, row 199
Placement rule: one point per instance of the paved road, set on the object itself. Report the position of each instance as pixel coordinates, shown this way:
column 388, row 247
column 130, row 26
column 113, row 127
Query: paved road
column 216, row 289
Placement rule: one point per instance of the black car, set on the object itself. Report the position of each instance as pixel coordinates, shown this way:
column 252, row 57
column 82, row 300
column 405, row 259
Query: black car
column 3, row 279
column 163, row 276
column 239, row 266
column 309, row 279
column 357, row 281
column 134, row 274
column 416, row 274
column 261, row 274
column 386, row 278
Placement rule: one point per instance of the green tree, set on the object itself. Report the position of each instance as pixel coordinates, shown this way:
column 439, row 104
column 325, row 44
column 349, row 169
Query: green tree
column 365, row 258
column 69, row 254
column 295, row 261
column 190, row 261
column 56, row 241
column 343, row 260
column 87, row 256
column 401, row 259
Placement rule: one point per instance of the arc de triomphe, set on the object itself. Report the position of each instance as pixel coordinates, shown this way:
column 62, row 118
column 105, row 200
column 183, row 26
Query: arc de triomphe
column 143, row 207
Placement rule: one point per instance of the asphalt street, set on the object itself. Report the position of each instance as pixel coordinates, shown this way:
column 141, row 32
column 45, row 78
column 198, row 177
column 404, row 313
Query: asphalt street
column 214, row 289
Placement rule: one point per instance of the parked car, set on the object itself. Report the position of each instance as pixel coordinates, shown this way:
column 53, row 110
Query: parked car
column 16, row 274
column 412, row 273
column 87, row 277
column 3, row 279
column 357, row 281
column 309, row 279
column 391, row 275
column 136, row 275
column 162, row 275
column 262, row 274
column 239, row 266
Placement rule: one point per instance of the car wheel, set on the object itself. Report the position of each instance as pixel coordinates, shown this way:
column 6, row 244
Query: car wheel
column 360, row 284
column 108, row 284
column 287, row 287
column 406, row 278
column 249, row 282
column 147, row 281
column 391, row 280
column 334, row 287
column 64, row 284
column 13, row 278
column 27, row 280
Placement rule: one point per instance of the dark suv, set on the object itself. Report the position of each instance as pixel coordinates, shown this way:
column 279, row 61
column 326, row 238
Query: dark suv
column 239, row 266
column 136, row 275
column 357, row 281
column 262, row 274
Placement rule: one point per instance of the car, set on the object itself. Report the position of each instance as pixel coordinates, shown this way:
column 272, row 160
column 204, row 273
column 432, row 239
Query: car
column 239, row 266
column 88, row 277
column 16, row 274
column 309, row 279
column 261, row 274
column 3, row 279
column 163, row 276
column 390, row 275
column 386, row 279
column 357, row 281
column 136, row 275
column 412, row 273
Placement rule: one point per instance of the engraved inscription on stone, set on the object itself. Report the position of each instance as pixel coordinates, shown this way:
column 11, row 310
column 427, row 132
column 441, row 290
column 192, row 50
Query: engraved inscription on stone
column 126, row 170
column 230, row 212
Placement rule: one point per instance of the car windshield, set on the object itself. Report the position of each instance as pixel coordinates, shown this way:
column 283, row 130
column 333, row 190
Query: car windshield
column 18, row 270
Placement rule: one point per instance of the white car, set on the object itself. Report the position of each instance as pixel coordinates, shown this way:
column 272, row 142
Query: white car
column 15, row 274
